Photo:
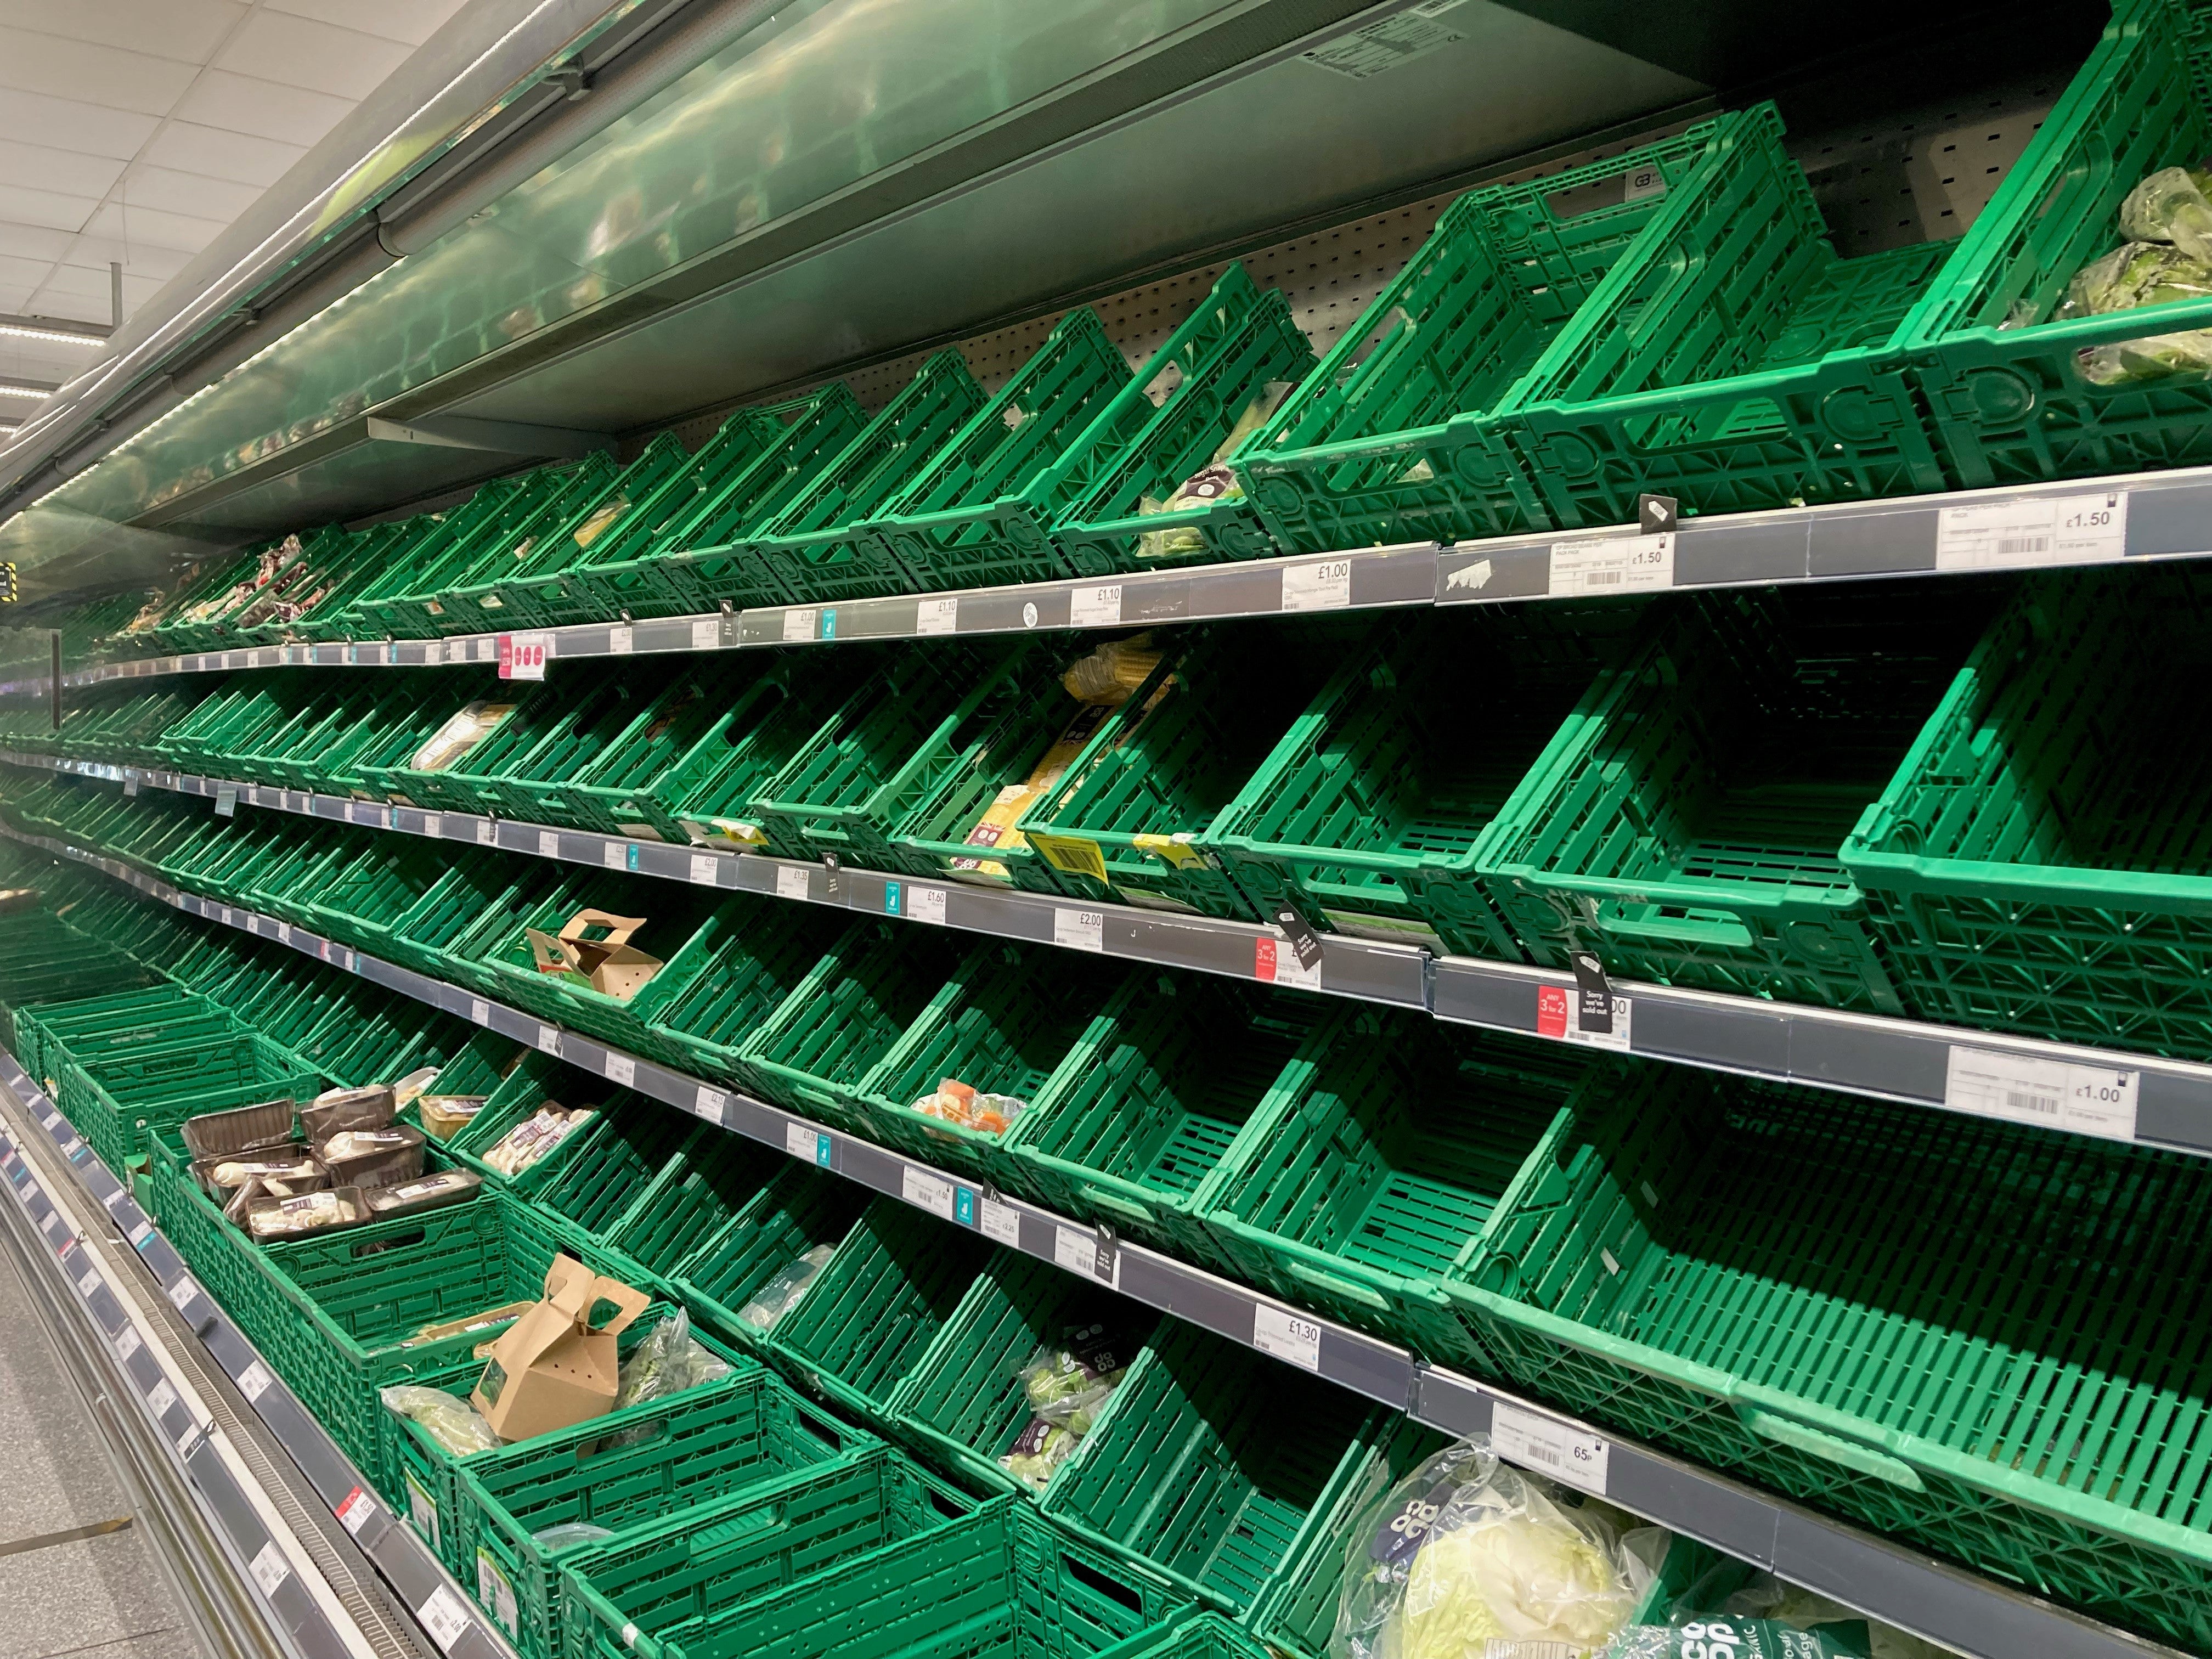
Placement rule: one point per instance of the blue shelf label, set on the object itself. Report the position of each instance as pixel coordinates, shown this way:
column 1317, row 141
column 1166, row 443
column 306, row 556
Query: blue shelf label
column 964, row 1206
column 891, row 899
column 828, row 624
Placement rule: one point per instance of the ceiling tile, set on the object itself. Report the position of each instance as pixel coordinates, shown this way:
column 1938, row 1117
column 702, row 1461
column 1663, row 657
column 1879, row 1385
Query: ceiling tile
column 299, row 51
column 134, row 225
column 23, row 273
column 90, row 282
column 411, row 21
column 71, row 173
column 216, row 154
column 292, row 115
column 32, row 118
column 187, row 30
column 32, row 241
column 139, row 259
column 190, row 193
column 106, row 75
column 46, row 208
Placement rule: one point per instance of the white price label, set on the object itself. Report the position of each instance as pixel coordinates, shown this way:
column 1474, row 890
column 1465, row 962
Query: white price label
column 2043, row 530
column 615, row 855
column 705, row 633
column 925, row 904
column 523, row 656
column 493, row 1592
column 253, row 1382
column 284, row 932
column 1616, row 1038
column 182, row 1293
column 1548, row 1447
column 433, row 826
column 139, row 1234
column 710, row 1102
column 1080, row 930
column 1075, row 1250
column 622, row 1070
column 1323, row 587
column 925, row 1191
column 549, row 1041
column 801, row 1141
column 1287, row 1335
column 444, row 1617
column 936, row 616
column 548, row 843
column 1098, row 606
column 434, row 653
column 2090, row 1100
column 128, row 1343
column 791, row 881
column 353, row 1514
column 798, row 625
column 269, row 1567
column 1002, row 1222
column 479, row 1011
column 88, row 1281
column 1615, row 564
column 703, row 865
column 486, row 832
column 622, row 640
column 160, row 1398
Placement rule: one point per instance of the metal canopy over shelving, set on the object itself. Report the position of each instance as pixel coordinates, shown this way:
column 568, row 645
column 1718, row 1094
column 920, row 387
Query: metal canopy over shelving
column 1945, row 1604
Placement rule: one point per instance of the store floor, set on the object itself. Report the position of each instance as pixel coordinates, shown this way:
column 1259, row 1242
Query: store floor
column 72, row 1580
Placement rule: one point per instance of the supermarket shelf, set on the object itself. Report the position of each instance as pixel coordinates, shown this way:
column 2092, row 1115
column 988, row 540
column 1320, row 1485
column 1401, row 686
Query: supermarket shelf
column 1944, row 1604
column 2080, row 521
column 304, row 1610
column 2139, row 1098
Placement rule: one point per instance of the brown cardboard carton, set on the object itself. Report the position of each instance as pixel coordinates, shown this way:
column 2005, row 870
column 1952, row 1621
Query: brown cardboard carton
column 553, row 1367
column 596, row 944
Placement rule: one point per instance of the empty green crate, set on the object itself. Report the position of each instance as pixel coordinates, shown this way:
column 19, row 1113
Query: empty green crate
column 1011, row 1021
column 120, row 1102
column 435, row 935
column 385, row 605
column 605, row 715
column 801, row 1208
column 1973, row 1338
column 447, row 596
column 1153, row 1094
column 594, row 1189
column 660, row 1580
column 618, row 791
column 1398, row 435
column 373, row 889
column 395, row 1038
column 732, row 973
column 671, row 913
column 2038, row 863
column 377, row 770
column 701, row 799
column 1373, row 1164
column 697, row 1194
column 1684, row 822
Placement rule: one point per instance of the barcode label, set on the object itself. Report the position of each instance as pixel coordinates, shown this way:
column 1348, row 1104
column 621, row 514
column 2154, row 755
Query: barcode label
column 622, row 1070
column 799, row 625
column 444, row 1617
column 2090, row 1100
column 703, row 865
column 269, row 1567
column 710, row 1102
column 160, row 1398
column 548, row 843
column 936, row 616
column 791, row 881
column 1616, row 1038
column 354, row 1511
column 1323, row 587
column 2041, row 1105
column 615, row 855
column 1075, row 1250
column 2013, row 547
column 549, row 1041
column 705, row 633
column 1288, row 1336
column 622, row 640
column 1615, row 564
column 2039, row 531
column 1549, row 1447
column 925, row 1191
column 1080, row 930
column 1002, row 1222
column 1095, row 607
column 479, row 1011
column 925, row 904
column 253, row 1382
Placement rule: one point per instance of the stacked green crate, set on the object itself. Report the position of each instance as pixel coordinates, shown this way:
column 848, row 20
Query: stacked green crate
column 439, row 934
column 121, row 1101
column 607, row 719
column 538, row 1081
column 1965, row 1335
column 1684, row 822
column 198, row 620
column 372, row 888
column 731, row 975
column 340, row 566
column 696, row 1195
column 615, row 1164
column 801, row 1209
column 370, row 768
column 550, row 500
column 618, row 791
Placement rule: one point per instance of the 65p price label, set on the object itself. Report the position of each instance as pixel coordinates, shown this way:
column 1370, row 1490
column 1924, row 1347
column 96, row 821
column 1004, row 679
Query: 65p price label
column 1547, row 1446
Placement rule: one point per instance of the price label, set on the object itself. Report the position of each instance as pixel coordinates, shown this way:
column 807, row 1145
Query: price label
column 615, row 855
column 226, row 800
column 1615, row 564
column 269, row 1567
column 791, row 881
column 706, row 633
column 139, row 1234
column 800, row 1141
column 709, row 1103
column 129, row 787
column 353, row 1514
column 182, row 1294
column 1288, row 1336
column 548, row 843
column 925, row 904
column 479, row 1011
column 486, row 832
column 703, row 865
column 622, row 640
column 283, row 932
column 2057, row 1094
column 493, row 1592
column 522, row 656
column 2040, row 530
column 1549, row 1447
column 1097, row 606
column 1326, row 585
column 1002, row 1222
column 160, row 1398
column 433, row 826
column 128, row 1343
column 549, row 1041
column 622, row 1070
column 798, row 625
column 1076, row 1250
column 442, row 1616
column 1274, row 963
column 1616, row 1038
column 88, row 1281
column 936, row 616
column 1080, row 930
column 925, row 1191
column 434, row 653
column 253, row 1382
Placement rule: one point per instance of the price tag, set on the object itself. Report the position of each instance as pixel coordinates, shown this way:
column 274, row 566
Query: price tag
column 1567, row 1454
column 269, row 1567
column 1076, row 1250
column 1616, row 1038
column 706, row 633
column 88, row 1281
column 798, row 625
column 2090, row 1100
column 139, row 1234
column 443, row 1615
column 925, row 1191
column 226, row 800
column 1326, row 585
column 936, row 616
column 487, row 833
column 253, row 1382
column 709, row 1103
column 1097, row 606
column 622, row 1070
column 615, row 855
column 1002, row 1222
column 791, row 881
column 1616, row 564
column 1275, row 962
column 433, row 826
column 182, row 1294
column 353, row 1514
column 522, row 656
column 128, row 1343
column 493, row 1592
column 1080, row 930
column 479, row 1011
column 2044, row 530
column 622, row 640
column 160, row 1398
column 434, row 653
column 129, row 787
column 283, row 932
column 800, row 1141
column 548, row 843
column 925, row 904
column 1287, row 1335
column 549, row 1041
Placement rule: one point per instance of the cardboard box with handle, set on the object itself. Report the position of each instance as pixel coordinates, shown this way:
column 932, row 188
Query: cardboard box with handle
column 595, row 946
column 555, row 1366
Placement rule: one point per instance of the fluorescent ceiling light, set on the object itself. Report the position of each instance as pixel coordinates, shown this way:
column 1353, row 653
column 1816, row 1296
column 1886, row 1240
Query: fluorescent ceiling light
column 18, row 331
column 23, row 389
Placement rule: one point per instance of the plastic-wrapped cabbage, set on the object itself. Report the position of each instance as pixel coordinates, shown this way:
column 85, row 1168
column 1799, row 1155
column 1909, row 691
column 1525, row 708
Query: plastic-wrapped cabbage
column 1466, row 1551
column 1214, row 482
column 1768, row 1597
column 2140, row 274
column 448, row 1419
column 781, row 1294
column 1038, row 1452
column 668, row 1361
column 2171, row 206
column 1066, row 1388
column 1700, row 1636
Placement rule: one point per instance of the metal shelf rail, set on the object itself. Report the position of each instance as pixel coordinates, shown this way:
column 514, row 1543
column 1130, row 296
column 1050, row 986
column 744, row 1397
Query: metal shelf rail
column 299, row 1600
column 2118, row 1096
column 2079, row 522
column 1944, row 1604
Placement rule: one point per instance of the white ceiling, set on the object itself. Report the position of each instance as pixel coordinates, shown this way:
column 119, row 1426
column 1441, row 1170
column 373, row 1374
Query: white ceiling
column 135, row 130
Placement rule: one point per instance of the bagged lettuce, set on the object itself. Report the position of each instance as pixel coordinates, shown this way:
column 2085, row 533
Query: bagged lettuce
column 1701, row 1636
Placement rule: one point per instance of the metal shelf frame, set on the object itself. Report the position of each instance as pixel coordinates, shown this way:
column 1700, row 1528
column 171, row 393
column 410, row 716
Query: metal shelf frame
column 1945, row 1604
column 2161, row 1103
column 2136, row 516
column 300, row 1605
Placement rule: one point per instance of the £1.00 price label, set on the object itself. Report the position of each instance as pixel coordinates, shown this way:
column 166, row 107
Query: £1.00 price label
column 2057, row 1094
column 1326, row 585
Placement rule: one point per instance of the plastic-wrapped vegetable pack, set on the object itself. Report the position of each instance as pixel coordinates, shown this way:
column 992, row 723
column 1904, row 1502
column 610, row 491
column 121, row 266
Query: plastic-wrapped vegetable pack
column 1066, row 1388
column 2168, row 219
column 448, row 1419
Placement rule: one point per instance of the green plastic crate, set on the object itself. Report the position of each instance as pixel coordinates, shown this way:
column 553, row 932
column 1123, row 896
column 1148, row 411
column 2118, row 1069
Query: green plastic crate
column 1373, row 1164
column 379, row 768
column 702, row 798
column 1239, row 349
column 1012, row 1021
column 554, row 731
column 373, row 889
column 961, row 1404
column 660, row 1580
column 1684, row 822
column 1968, row 1344
column 594, row 1189
column 978, row 513
column 876, row 1306
column 1212, row 1462
column 800, row 1208
column 1364, row 817
column 815, row 1052
column 619, row 791
column 1398, row 434
column 2039, row 862
column 697, row 1194
column 672, row 914
column 381, row 607
column 1152, row 1095
column 732, row 973
column 535, row 515
column 2003, row 380
column 121, row 1102
column 705, row 1443
column 813, row 545
column 538, row 1081
column 434, row 935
